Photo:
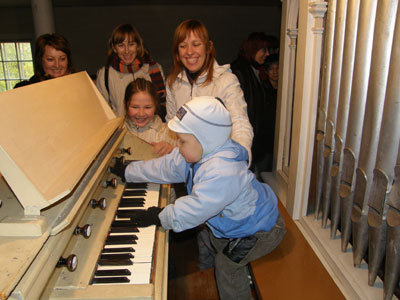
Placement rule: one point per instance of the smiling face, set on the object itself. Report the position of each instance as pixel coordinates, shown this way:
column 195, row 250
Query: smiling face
column 126, row 50
column 141, row 109
column 192, row 52
column 189, row 147
column 261, row 55
column 54, row 62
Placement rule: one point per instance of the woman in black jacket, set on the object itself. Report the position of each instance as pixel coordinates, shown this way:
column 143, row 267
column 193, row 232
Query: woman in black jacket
column 52, row 59
column 261, row 106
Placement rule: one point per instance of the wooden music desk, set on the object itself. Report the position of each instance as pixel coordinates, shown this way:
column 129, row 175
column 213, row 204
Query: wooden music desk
column 292, row 270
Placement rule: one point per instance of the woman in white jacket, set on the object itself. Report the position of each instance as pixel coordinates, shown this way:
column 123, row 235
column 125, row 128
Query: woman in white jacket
column 196, row 73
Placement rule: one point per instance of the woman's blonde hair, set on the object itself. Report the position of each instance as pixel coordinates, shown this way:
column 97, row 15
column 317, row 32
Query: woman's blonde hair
column 181, row 33
column 118, row 36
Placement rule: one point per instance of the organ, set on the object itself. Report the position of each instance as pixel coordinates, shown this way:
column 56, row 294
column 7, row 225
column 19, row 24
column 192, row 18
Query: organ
column 64, row 219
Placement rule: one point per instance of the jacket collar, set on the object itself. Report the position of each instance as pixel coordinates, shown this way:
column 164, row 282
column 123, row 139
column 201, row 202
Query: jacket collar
column 218, row 71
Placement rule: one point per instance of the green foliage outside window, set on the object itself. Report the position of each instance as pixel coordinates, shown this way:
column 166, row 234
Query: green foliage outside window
column 15, row 64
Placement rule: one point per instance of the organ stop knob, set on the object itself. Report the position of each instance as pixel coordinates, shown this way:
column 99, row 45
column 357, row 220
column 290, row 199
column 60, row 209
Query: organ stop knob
column 112, row 182
column 99, row 203
column 71, row 262
column 85, row 230
column 126, row 150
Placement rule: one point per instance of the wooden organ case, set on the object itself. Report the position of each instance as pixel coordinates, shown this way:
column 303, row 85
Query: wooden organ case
column 57, row 198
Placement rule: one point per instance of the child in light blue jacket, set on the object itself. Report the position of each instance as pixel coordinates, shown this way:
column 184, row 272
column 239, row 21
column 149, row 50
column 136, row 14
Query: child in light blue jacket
column 240, row 211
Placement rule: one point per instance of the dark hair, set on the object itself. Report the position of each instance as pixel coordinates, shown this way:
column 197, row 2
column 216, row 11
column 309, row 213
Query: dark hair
column 58, row 42
column 141, row 85
column 273, row 44
column 271, row 59
column 119, row 34
column 181, row 33
column 254, row 42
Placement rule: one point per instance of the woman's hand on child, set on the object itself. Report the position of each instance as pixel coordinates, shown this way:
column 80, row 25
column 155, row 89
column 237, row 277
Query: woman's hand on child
column 162, row 148
column 144, row 218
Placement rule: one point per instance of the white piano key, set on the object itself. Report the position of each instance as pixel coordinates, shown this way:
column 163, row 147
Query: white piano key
column 140, row 272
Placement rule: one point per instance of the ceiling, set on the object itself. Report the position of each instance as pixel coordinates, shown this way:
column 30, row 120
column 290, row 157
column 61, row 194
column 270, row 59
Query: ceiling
column 74, row 3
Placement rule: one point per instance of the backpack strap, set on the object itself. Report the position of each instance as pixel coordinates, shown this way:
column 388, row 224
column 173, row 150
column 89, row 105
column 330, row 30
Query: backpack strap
column 106, row 68
column 106, row 78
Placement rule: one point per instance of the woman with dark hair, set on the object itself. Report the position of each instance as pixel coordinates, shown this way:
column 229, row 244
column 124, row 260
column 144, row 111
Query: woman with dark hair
column 249, row 69
column 195, row 73
column 127, row 59
column 52, row 58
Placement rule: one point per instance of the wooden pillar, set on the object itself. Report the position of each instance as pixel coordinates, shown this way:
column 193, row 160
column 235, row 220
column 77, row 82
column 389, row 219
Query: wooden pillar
column 308, row 62
column 287, row 61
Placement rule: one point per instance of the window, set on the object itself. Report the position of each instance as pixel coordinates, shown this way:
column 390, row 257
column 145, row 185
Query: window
column 15, row 64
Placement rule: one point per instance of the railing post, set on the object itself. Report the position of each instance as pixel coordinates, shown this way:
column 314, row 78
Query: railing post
column 308, row 62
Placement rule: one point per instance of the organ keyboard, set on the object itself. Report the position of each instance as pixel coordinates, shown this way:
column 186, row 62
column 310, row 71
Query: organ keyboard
column 59, row 205
column 149, row 269
column 128, row 251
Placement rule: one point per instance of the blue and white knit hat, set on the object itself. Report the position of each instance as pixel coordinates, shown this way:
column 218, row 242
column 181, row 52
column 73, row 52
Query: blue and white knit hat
column 207, row 119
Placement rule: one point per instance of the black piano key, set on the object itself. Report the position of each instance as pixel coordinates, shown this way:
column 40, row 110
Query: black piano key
column 122, row 237
column 139, row 199
column 115, row 262
column 132, row 199
column 136, row 185
column 123, row 223
column 123, row 229
column 110, row 280
column 115, row 272
column 126, row 213
column 120, row 241
column 134, row 193
column 116, row 256
column 116, row 250
column 131, row 204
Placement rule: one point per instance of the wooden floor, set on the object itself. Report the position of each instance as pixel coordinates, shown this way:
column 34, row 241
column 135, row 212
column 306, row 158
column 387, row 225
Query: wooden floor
column 185, row 280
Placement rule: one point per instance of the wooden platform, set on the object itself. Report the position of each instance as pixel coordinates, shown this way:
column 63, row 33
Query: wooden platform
column 292, row 270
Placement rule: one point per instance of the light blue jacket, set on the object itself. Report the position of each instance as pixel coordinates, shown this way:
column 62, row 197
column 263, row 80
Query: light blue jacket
column 223, row 193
